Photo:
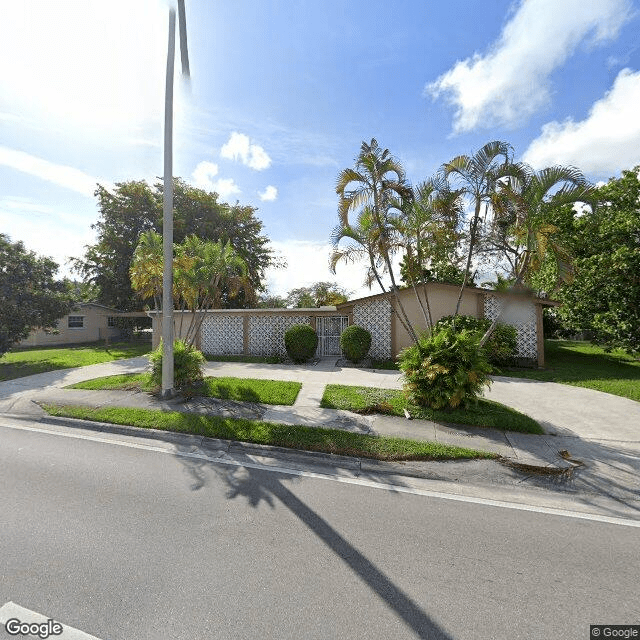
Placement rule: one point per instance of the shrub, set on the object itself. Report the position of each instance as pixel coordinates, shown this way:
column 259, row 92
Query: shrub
column 301, row 342
column 502, row 345
column 355, row 342
column 445, row 370
column 187, row 365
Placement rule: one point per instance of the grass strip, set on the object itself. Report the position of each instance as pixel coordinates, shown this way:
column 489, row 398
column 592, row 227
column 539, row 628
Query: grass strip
column 393, row 402
column 582, row 364
column 22, row 362
column 119, row 382
column 278, row 392
column 293, row 437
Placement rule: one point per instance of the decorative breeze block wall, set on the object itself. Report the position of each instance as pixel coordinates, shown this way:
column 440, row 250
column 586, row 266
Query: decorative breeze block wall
column 266, row 333
column 222, row 335
column 375, row 317
column 522, row 315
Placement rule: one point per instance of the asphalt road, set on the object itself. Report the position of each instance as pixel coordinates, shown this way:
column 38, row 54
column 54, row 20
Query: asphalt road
column 144, row 542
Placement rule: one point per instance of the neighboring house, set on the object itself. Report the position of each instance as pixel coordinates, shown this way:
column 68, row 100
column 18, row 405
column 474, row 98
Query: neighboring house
column 261, row 331
column 88, row 322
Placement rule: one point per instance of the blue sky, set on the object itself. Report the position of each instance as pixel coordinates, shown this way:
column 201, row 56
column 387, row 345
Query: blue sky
column 282, row 95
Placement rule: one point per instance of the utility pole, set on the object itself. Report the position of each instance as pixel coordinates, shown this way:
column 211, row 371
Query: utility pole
column 167, row 204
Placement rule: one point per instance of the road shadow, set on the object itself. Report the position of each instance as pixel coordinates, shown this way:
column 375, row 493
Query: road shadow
column 262, row 485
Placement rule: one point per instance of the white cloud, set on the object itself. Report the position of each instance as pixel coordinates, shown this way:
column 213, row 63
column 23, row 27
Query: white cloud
column 203, row 173
column 511, row 82
column 239, row 147
column 269, row 194
column 308, row 262
column 605, row 142
column 225, row 187
column 62, row 175
column 202, row 177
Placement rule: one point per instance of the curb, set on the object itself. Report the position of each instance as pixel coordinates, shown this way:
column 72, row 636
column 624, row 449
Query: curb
column 405, row 468
column 358, row 464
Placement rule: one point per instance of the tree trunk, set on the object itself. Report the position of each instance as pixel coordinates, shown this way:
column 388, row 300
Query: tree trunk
column 472, row 241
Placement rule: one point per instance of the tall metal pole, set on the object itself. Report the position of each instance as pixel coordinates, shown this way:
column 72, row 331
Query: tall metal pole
column 167, row 221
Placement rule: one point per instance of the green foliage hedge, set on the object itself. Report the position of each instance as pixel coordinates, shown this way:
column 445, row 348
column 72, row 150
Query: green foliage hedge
column 355, row 342
column 502, row 346
column 187, row 365
column 445, row 370
column 301, row 342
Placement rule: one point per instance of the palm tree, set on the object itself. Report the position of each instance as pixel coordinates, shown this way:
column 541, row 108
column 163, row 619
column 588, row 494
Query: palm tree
column 375, row 191
column 362, row 247
column 202, row 270
column 146, row 267
column 520, row 228
column 429, row 229
column 477, row 177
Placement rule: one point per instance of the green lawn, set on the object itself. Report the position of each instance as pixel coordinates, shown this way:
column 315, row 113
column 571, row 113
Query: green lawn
column 393, row 402
column 293, row 437
column 243, row 389
column 584, row 365
column 25, row 362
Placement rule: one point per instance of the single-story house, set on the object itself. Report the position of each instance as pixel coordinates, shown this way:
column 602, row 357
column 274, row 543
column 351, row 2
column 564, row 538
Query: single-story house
column 261, row 331
column 88, row 322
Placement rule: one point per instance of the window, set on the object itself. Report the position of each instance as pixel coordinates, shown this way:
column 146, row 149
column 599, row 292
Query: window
column 111, row 321
column 76, row 322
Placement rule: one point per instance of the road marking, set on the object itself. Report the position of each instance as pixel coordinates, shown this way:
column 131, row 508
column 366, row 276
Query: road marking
column 11, row 610
column 625, row 522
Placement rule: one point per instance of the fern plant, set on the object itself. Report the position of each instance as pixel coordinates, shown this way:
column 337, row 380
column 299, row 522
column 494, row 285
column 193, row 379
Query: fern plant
column 445, row 370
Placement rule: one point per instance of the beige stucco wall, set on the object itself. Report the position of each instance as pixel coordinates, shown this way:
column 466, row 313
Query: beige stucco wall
column 442, row 302
column 181, row 323
column 95, row 328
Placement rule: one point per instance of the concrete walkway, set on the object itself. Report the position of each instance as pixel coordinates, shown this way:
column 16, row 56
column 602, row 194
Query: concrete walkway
column 600, row 432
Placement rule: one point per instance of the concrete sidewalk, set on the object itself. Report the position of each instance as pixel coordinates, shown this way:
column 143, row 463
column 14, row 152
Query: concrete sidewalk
column 600, row 432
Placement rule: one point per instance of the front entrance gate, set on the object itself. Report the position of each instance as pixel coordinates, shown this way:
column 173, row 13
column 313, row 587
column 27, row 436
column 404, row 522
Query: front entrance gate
column 329, row 330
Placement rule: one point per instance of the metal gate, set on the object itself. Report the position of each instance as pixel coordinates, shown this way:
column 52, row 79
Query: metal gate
column 329, row 330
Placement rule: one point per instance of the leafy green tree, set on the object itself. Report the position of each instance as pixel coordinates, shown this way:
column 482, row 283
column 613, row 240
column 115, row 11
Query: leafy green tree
column 603, row 300
column 271, row 301
column 30, row 297
column 125, row 213
column 134, row 207
column 522, row 232
column 319, row 294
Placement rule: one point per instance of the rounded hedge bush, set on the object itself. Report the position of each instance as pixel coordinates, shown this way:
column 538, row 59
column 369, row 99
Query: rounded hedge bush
column 187, row 365
column 301, row 342
column 445, row 370
column 355, row 343
column 502, row 345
